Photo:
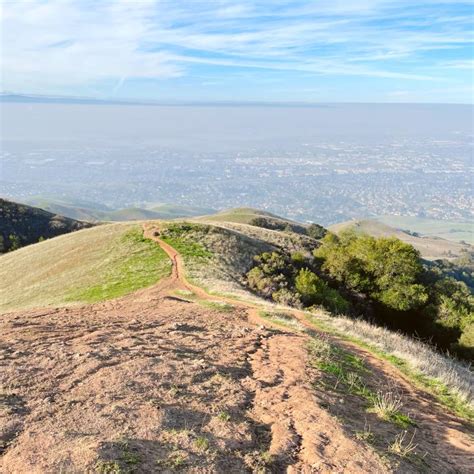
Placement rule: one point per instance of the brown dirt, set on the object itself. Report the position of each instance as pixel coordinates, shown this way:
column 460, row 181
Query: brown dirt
column 153, row 382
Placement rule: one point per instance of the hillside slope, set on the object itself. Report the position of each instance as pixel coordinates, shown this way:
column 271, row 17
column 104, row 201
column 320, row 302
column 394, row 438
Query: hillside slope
column 94, row 264
column 256, row 217
column 22, row 225
column 454, row 230
column 171, row 378
column 430, row 247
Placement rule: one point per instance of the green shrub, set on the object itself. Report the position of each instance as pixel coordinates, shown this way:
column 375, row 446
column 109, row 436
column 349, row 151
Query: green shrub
column 385, row 269
column 310, row 287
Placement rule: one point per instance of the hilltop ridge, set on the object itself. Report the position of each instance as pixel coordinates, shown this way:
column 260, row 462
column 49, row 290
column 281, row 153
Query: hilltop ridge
column 22, row 225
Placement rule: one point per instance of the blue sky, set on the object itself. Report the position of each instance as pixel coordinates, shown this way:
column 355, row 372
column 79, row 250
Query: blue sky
column 220, row 50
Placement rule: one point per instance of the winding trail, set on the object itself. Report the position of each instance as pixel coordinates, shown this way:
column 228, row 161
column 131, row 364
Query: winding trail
column 167, row 374
column 178, row 280
column 439, row 431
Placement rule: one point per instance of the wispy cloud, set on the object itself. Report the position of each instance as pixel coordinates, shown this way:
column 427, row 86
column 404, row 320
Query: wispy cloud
column 48, row 45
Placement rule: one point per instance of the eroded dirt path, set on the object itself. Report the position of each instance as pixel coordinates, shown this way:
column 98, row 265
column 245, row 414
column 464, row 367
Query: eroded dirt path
column 154, row 383
column 446, row 443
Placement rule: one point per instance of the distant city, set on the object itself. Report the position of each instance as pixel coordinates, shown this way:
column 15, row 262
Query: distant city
column 326, row 164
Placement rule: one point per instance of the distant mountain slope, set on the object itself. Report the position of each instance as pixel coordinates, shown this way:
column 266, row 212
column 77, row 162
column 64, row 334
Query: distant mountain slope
column 242, row 215
column 455, row 230
column 92, row 212
column 430, row 247
column 22, row 225
column 172, row 211
column 265, row 220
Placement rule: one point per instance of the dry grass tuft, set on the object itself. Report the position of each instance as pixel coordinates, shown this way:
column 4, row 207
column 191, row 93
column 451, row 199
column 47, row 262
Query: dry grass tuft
column 401, row 446
column 451, row 380
column 386, row 404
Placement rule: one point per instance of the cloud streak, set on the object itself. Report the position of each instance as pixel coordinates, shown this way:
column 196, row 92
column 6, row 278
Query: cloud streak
column 59, row 45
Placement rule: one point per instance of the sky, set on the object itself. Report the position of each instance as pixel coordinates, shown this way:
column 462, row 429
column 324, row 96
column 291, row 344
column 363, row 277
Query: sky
column 240, row 50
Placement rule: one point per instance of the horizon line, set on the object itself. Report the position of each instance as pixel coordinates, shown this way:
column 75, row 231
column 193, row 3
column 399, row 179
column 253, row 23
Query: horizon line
column 14, row 97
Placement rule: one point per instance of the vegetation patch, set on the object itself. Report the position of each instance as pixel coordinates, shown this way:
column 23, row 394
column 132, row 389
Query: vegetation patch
column 399, row 290
column 346, row 387
column 450, row 381
column 126, row 463
column 179, row 236
column 221, row 306
column 290, row 279
column 383, row 279
column 282, row 319
column 387, row 405
column 144, row 264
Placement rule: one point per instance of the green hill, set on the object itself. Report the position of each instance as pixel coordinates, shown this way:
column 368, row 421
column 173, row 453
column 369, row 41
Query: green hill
column 94, row 264
column 264, row 219
column 22, row 225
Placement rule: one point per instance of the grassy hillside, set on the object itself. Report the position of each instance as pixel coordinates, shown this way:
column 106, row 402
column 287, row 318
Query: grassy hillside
column 241, row 215
column 171, row 211
column 177, row 380
column 265, row 220
column 430, row 247
column 91, row 265
column 219, row 254
column 455, row 230
column 22, row 225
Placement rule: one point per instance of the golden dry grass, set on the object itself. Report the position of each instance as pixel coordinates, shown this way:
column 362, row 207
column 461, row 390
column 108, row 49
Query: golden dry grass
column 88, row 265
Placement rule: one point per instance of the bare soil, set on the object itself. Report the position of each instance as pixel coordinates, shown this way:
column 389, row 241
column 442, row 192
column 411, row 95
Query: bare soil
column 155, row 382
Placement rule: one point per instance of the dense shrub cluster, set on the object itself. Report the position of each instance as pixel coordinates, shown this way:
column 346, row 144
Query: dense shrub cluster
column 289, row 280
column 407, row 294
column 386, row 269
column 314, row 231
column 381, row 278
column 461, row 269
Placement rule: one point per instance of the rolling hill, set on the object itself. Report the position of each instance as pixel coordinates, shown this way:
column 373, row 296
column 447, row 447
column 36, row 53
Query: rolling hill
column 431, row 247
column 92, row 212
column 247, row 215
column 139, row 347
column 90, row 265
column 22, row 225
column 265, row 220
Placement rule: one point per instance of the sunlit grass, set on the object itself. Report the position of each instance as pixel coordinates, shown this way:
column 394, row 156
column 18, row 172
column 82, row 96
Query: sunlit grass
column 89, row 265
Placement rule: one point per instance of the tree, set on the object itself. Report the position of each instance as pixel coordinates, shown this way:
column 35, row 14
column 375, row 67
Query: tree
column 310, row 287
column 15, row 242
column 385, row 269
column 316, row 231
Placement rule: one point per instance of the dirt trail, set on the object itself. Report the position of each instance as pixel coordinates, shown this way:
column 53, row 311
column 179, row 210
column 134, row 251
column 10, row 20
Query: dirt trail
column 439, row 431
column 153, row 383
